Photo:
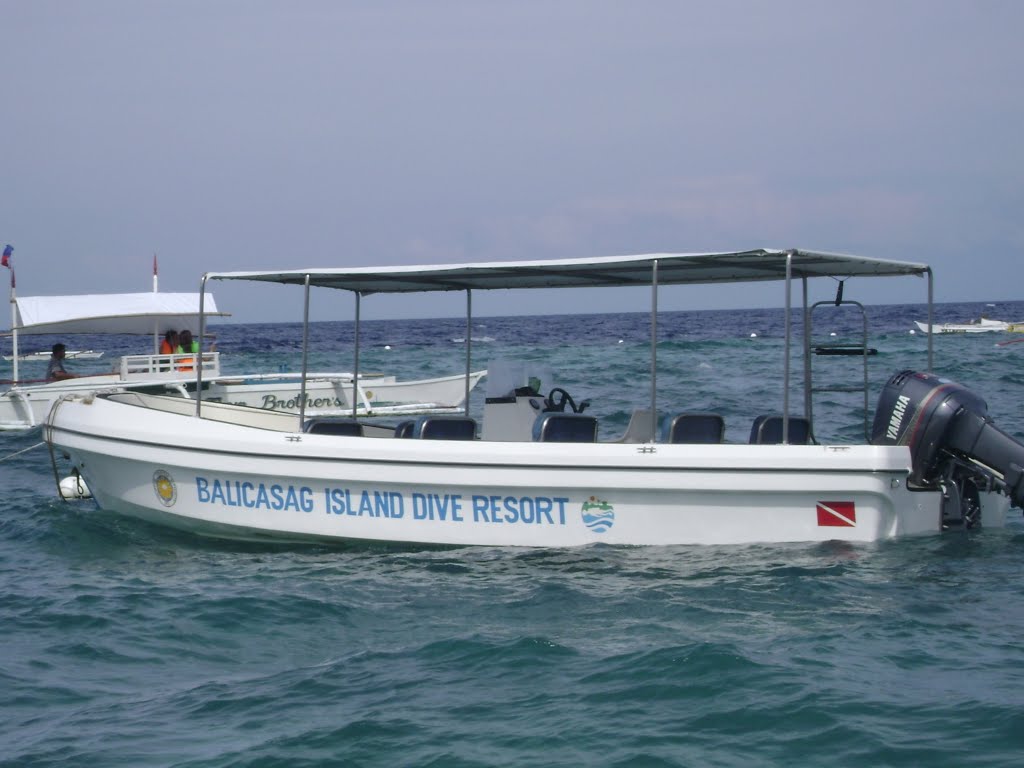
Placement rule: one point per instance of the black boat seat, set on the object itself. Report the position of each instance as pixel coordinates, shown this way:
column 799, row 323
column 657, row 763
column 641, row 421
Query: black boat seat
column 767, row 430
column 404, row 428
column 444, row 428
column 556, row 427
column 693, row 428
column 333, row 425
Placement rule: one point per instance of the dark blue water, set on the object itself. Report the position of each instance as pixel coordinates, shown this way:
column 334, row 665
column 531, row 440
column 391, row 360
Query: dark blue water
column 123, row 644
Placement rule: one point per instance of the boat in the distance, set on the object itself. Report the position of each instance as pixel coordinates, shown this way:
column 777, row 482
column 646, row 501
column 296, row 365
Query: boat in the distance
column 26, row 401
column 978, row 325
column 44, row 355
column 536, row 469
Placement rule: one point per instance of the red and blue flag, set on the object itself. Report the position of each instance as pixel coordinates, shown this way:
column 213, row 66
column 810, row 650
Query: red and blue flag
column 6, row 258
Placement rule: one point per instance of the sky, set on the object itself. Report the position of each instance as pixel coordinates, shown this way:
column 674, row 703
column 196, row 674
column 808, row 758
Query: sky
column 248, row 134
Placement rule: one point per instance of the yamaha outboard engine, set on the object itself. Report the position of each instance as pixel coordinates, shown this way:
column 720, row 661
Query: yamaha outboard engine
column 954, row 446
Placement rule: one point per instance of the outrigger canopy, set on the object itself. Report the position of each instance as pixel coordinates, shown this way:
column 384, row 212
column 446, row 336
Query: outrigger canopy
column 134, row 313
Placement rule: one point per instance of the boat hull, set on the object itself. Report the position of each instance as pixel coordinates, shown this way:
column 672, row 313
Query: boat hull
column 242, row 483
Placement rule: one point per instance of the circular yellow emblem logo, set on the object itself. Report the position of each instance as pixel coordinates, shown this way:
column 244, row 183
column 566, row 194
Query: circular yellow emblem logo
column 163, row 484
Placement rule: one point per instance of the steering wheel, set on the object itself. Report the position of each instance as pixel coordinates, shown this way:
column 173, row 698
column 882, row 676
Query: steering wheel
column 564, row 398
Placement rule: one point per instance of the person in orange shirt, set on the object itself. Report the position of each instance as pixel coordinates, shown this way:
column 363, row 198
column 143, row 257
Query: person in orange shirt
column 167, row 347
column 169, row 344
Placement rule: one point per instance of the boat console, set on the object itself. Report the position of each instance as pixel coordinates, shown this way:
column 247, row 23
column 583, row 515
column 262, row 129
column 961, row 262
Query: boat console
column 953, row 443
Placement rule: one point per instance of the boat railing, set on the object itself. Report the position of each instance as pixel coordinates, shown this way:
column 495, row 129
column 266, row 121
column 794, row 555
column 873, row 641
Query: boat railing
column 168, row 366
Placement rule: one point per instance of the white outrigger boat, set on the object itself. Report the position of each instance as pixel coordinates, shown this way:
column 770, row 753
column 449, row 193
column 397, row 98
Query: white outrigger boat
column 26, row 402
column 533, row 473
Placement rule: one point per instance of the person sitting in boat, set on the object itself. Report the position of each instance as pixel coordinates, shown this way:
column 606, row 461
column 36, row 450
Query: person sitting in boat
column 167, row 347
column 169, row 344
column 55, row 371
column 186, row 345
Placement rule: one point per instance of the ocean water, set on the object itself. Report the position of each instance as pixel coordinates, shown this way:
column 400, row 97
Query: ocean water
column 124, row 644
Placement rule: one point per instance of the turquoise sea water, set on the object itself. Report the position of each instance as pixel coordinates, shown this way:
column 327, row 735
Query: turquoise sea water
column 123, row 644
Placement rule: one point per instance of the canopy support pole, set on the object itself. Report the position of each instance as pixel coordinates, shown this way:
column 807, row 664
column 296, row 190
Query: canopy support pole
column 202, row 332
column 469, row 343
column 807, row 351
column 654, row 351
column 305, row 352
column 355, row 362
column 931, row 316
column 14, row 329
column 785, row 360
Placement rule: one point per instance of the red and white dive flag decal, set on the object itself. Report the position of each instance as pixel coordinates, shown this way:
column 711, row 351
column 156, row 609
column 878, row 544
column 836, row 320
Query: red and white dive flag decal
column 838, row 514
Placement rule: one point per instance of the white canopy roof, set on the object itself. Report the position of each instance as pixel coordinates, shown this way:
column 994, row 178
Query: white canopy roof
column 140, row 313
column 673, row 269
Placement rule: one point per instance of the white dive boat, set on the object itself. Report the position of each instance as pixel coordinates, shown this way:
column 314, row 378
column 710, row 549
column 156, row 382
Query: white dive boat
column 533, row 473
column 26, row 402
column 980, row 325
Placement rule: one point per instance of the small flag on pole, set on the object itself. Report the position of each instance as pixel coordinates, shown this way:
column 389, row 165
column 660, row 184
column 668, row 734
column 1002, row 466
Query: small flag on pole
column 6, row 259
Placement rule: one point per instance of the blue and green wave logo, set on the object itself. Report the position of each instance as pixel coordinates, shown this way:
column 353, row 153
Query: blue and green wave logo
column 597, row 515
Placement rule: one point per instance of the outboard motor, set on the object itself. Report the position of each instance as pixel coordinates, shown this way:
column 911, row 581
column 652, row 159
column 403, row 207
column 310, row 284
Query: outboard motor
column 954, row 446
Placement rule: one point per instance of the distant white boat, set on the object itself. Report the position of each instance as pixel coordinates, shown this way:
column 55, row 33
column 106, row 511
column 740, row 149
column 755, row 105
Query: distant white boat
column 44, row 356
column 981, row 325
